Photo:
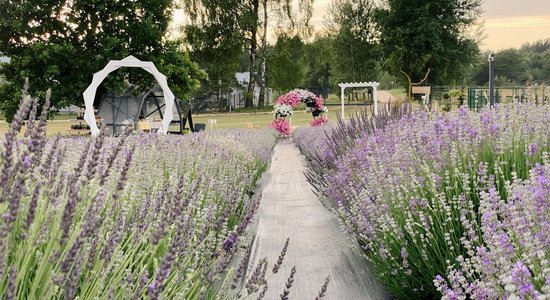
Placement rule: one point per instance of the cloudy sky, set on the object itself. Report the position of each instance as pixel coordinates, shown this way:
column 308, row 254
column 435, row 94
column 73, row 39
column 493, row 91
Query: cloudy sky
column 508, row 23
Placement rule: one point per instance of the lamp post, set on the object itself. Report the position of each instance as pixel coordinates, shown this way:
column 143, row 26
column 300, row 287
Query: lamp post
column 491, row 79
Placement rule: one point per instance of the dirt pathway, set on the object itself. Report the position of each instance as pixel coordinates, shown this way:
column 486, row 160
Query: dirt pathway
column 317, row 247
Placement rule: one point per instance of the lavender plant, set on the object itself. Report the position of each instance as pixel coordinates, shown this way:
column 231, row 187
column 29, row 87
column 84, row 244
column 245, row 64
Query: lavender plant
column 449, row 204
column 137, row 216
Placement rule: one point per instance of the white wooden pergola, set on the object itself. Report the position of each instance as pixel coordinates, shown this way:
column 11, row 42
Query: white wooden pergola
column 372, row 84
column 132, row 62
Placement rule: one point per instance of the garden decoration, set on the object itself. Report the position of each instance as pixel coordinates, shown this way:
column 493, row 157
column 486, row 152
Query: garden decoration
column 373, row 85
column 284, row 105
column 132, row 62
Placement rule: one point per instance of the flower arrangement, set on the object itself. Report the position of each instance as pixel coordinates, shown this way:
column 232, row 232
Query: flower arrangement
column 281, row 125
column 319, row 102
column 282, row 110
column 286, row 102
column 291, row 99
column 322, row 120
column 305, row 95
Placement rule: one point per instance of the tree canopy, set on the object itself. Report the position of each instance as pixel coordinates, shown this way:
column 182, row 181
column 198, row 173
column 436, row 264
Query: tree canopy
column 286, row 62
column 216, row 44
column 525, row 65
column 60, row 45
column 417, row 35
column 355, row 41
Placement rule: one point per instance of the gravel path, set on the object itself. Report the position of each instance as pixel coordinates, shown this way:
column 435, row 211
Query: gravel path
column 317, row 246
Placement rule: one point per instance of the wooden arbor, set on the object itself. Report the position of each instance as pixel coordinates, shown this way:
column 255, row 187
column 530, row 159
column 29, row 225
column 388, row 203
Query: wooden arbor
column 373, row 85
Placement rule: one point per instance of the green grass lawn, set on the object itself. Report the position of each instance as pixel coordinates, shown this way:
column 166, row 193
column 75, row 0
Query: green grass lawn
column 62, row 125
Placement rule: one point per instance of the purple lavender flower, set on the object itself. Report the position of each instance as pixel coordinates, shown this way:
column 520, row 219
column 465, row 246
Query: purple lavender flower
column 230, row 242
column 521, row 277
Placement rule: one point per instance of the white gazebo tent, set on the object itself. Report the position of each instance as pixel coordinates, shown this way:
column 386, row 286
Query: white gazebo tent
column 131, row 62
column 373, row 85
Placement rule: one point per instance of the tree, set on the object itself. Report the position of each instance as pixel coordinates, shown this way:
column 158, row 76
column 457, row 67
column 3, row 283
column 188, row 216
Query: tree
column 216, row 45
column 318, row 57
column 253, row 17
column 287, row 63
column 355, row 41
column 61, row 44
column 419, row 35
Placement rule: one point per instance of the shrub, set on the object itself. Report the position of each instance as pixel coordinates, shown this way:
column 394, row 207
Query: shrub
column 449, row 204
column 129, row 217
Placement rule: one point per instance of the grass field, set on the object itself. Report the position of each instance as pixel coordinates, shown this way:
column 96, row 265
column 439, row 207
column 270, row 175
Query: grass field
column 224, row 120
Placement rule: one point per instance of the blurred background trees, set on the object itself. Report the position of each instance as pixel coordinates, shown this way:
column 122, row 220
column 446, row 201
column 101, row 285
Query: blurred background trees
column 60, row 45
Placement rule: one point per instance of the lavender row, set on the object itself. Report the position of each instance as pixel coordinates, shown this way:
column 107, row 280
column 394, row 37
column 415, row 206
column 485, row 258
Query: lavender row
column 137, row 216
column 453, row 205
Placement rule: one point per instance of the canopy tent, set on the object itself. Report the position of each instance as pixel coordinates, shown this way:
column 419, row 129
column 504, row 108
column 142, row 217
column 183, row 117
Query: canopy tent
column 373, row 85
column 132, row 62
column 136, row 110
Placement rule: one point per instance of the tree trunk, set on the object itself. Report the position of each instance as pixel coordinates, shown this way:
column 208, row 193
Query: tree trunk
column 219, row 94
column 263, row 75
column 253, row 51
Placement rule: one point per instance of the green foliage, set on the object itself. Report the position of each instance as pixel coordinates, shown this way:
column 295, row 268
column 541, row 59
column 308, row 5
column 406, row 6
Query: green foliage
column 419, row 35
column 528, row 64
column 216, row 43
column 286, row 63
column 239, row 24
column 60, row 46
column 318, row 56
column 355, row 44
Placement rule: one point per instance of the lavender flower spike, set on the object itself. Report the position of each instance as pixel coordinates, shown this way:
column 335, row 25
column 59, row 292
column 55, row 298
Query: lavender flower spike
column 288, row 285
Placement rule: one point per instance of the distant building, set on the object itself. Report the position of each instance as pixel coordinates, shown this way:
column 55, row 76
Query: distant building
column 237, row 93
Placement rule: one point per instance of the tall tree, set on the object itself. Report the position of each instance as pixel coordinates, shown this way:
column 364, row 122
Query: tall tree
column 254, row 17
column 61, row 43
column 250, row 25
column 318, row 56
column 287, row 64
column 216, row 44
column 355, row 41
column 418, row 36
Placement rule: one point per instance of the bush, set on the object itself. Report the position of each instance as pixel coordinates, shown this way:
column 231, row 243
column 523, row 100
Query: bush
column 453, row 205
column 129, row 217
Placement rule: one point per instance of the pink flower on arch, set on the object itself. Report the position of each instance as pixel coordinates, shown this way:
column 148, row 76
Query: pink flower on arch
column 318, row 121
column 281, row 125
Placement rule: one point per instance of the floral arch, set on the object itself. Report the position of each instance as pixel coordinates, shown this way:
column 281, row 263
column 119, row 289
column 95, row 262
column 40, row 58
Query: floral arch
column 284, row 108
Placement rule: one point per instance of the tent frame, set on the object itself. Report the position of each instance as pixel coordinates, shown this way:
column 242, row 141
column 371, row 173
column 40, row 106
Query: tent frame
column 111, row 99
column 132, row 62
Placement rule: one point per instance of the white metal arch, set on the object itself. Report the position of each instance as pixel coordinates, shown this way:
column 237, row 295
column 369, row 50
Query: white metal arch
column 373, row 85
column 132, row 62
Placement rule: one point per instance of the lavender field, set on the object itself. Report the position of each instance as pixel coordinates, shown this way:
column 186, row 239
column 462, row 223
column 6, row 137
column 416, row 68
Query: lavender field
column 451, row 205
column 131, row 217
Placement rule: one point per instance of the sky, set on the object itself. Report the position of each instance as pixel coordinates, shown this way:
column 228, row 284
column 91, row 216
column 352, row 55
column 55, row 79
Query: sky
column 508, row 23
